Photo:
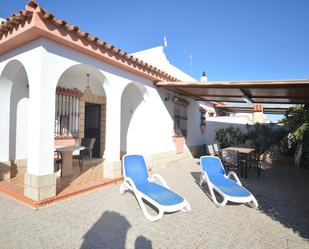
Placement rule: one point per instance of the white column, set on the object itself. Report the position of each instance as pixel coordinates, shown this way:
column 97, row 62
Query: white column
column 40, row 180
column 5, row 97
column 112, row 164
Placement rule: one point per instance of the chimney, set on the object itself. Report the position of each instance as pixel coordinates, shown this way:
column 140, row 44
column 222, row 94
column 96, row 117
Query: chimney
column 204, row 77
column 258, row 115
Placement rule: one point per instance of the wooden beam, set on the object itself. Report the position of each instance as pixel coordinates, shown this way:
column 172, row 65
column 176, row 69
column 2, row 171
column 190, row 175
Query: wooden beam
column 246, row 95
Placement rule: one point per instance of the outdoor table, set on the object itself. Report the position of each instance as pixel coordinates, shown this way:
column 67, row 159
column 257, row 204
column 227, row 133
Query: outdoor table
column 67, row 157
column 242, row 150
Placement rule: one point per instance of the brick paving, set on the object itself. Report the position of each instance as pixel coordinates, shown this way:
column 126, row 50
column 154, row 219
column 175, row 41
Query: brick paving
column 105, row 219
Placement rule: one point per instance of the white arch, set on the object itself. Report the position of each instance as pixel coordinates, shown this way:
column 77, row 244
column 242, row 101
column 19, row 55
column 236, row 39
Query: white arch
column 14, row 96
column 133, row 101
column 78, row 72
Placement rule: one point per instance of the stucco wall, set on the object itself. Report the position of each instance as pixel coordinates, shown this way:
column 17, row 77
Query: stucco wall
column 150, row 130
column 215, row 123
column 14, row 111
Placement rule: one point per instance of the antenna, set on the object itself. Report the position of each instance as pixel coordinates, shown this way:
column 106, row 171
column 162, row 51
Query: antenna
column 190, row 57
column 165, row 42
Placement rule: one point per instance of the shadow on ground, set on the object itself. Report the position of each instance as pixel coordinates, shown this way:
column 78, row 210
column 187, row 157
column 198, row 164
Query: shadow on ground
column 110, row 231
column 204, row 188
column 282, row 192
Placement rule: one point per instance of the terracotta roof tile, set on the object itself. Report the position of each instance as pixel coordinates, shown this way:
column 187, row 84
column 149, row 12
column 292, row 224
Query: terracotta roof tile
column 33, row 6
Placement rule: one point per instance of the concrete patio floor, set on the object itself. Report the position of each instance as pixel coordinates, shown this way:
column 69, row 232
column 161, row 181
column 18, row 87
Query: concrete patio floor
column 105, row 219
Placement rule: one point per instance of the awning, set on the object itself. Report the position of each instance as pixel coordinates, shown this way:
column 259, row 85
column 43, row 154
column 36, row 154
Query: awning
column 260, row 91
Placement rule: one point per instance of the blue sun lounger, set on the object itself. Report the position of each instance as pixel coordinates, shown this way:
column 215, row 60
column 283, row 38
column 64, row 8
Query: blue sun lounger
column 214, row 175
column 136, row 179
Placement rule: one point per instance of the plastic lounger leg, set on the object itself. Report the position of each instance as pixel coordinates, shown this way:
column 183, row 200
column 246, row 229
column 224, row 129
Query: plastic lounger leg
column 146, row 213
column 253, row 203
column 186, row 208
column 124, row 186
column 202, row 177
column 213, row 196
column 127, row 186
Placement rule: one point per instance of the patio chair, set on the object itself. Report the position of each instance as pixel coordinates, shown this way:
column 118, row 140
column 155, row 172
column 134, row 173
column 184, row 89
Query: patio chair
column 254, row 160
column 230, row 160
column 88, row 143
column 211, row 150
column 137, row 179
column 58, row 161
column 216, row 149
column 214, row 175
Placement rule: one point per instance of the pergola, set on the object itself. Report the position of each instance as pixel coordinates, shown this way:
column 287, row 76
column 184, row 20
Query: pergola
column 259, row 91
column 278, row 110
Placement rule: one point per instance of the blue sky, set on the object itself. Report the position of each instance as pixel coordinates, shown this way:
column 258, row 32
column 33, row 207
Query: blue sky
column 230, row 40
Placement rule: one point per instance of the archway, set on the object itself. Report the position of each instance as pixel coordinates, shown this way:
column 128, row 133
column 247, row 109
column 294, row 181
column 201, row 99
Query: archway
column 14, row 97
column 132, row 136
column 80, row 113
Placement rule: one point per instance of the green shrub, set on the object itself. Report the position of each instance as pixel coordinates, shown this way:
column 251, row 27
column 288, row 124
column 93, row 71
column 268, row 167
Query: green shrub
column 229, row 137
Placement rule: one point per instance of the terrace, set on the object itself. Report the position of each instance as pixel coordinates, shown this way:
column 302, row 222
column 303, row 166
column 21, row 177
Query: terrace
column 104, row 219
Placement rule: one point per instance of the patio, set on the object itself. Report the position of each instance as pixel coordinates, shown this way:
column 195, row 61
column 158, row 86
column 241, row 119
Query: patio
column 67, row 186
column 104, row 219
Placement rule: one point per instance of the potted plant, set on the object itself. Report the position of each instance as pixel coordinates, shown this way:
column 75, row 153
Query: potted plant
column 179, row 141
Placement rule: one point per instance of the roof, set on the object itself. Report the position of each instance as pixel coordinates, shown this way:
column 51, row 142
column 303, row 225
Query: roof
column 34, row 22
column 157, row 57
column 259, row 91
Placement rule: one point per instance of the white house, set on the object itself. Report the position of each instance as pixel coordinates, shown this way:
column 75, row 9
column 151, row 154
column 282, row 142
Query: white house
column 58, row 83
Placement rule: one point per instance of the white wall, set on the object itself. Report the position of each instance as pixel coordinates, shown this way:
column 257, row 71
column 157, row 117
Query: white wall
column 215, row 123
column 19, row 117
column 76, row 77
column 156, row 122
column 5, row 90
column 133, row 122
column 14, row 96
column 21, row 127
column 150, row 130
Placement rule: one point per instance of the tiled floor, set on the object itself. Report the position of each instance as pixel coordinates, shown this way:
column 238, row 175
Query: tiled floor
column 90, row 178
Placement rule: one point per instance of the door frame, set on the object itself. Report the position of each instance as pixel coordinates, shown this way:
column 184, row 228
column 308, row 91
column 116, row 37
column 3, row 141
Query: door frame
column 94, row 99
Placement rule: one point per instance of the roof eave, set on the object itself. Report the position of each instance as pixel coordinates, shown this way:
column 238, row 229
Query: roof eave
column 37, row 23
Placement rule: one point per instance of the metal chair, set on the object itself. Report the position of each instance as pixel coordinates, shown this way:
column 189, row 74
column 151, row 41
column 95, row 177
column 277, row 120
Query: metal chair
column 229, row 159
column 58, row 161
column 211, row 150
column 216, row 149
column 88, row 143
column 243, row 164
column 254, row 160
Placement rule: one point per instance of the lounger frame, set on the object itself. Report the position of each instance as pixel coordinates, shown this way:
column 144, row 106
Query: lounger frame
column 250, row 200
column 129, row 184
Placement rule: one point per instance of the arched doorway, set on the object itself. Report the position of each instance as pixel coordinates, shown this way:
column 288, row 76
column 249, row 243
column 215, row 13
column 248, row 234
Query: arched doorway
column 81, row 106
column 133, row 131
column 14, row 97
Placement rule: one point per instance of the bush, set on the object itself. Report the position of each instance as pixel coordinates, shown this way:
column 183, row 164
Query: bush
column 229, row 137
column 268, row 138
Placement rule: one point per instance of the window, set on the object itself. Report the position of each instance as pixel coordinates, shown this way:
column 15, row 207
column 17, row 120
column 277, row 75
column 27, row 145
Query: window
column 67, row 112
column 180, row 116
column 203, row 116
